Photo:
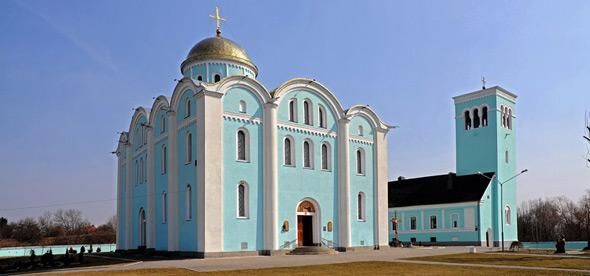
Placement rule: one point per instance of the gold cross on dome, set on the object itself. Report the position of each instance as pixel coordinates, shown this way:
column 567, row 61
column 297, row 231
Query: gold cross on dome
column 218, row 20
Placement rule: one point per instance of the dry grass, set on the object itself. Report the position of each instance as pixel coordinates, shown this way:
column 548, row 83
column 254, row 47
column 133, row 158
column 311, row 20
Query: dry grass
column 511, row 259
column 358, row 268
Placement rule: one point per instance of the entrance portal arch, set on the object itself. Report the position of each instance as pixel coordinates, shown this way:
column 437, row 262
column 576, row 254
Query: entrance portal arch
column 142, row 226
column 308, row 222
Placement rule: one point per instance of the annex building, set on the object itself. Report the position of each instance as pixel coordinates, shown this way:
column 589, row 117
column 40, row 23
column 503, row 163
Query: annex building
column 225, row 165
column 477, row 204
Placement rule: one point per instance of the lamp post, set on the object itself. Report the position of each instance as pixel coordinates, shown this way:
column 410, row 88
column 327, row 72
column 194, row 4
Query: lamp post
column 502, row 198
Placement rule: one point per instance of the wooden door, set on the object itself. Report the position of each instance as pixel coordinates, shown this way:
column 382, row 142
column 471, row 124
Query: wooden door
column 300, row 226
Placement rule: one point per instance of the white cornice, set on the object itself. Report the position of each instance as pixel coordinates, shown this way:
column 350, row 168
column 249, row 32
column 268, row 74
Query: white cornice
column 186, row 122
column 436, row 206
column 361, row 140
column 242, row 118
column 307, row 129
column 496, row 90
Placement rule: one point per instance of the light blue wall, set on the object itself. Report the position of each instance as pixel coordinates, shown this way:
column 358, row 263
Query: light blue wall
column 122, row 194
column 139, row 185
column 296, row 182
column 161, row 186
column 250, row 228
column 361, row 231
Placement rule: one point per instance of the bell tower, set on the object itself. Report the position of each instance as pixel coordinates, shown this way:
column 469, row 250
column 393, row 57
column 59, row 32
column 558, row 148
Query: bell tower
column 486, row 142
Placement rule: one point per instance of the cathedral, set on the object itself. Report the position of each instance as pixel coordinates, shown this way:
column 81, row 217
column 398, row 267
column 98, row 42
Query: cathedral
column 226, row 166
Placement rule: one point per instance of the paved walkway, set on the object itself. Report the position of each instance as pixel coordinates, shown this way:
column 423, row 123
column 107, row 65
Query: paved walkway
column 257, row 262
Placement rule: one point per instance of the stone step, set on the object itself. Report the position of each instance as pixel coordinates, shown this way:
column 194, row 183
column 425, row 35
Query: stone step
column 312, row 250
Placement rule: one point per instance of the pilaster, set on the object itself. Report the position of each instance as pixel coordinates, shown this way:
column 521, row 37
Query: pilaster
column 381, row 224
column 270, row 202
column 172, row 216
column 129, row 196
column 343, row 184
column 150, row 191
column 119, row 199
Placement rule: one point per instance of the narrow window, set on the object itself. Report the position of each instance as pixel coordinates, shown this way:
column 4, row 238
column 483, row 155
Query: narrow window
column 143, row 135
column 189, row 148
column 509, row 119
column 507, row 215
column 506, row 156
column 467, row 120
column 306, row 155
column 360, row 162
column 164, row 159
column 164, row 206
column 361, row 206
column 163, row 123
column 287, row 152
column 136, row 171
column 242, row 145
column 432, row 222
column 503, row 112
column 476, row 120
column 141, row 170
column 200, row 78
column 329, row 226
column 145, row 170
column 360, row 131
column 322, row 116
column 187, row 112
column 188, row 203
column 484, row 116
column 325, row 157
column 217, row 77
column 455, row 221
column 307, row 113
column 293, row 110
column 413, row 223
column 242, row 107
column 242, row 200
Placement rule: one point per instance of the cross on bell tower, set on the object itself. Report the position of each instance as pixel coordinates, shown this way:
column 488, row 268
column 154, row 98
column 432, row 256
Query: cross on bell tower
column 218, row 20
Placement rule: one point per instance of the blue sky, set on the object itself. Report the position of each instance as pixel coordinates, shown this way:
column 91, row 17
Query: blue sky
column 71, row 71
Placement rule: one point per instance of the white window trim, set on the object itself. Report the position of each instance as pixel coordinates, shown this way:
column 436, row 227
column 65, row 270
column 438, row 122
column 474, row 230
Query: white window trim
column 308, row 113
column 292, row 153
column 311, row 154
column 507, row 215
column 292, row 110
column 328, row 157
column 243, row 107
column 246, row 145
column 453, row 216
column 435, row 221
column 415, row 223
column 187, row 108
column 164, row 207
column 164, row 159
column 216, row 75
column 362, row 213
column 322, row 117
column 162, row 123
column 188, row 203
column 360, row 131
column 246, row 200
column 188, row 148
column 362, row 161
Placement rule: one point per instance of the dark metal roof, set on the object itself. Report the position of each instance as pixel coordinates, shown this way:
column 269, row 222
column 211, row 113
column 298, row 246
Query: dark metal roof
column 437, row 189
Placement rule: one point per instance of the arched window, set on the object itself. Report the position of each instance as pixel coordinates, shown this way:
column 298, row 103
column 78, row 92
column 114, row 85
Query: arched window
column 217, row 77
column 187, row 112
column 467, row 117
column 141, row 170
column 143, row 135
column 293, row 110
column 455, row 221
column 360, row 205
column 329, row 226
column 360, row 131
column 307, row 116
column 243, row 200
column 242, row 107
column 288, row 151
column 360, row 161
column 200, row 78
column 322, row 116
column 164, row 206
column 242, row 145
column 506, row 156
column 509, row 119
column 188, row 203
column 503, row 113
column 325, row 156
column 484, row 116
column 137, row 172
column 162, row 124
column 142, row 227
column 189, row 148
column 476, row 118
column 164, row 159
column 307, row 154
column 507, row 214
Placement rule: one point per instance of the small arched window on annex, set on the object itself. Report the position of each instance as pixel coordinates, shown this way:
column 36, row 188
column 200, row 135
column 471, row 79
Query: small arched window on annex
column 288, row 151
column 360, row 161
column 476, row 118
column 307, row 112
column 509, row 118
column 454, row 221
column 188, row 148
column 242, row 145
column 242, row 207
column 293, row 110
column 484, row 116
column 216, row 78
column 360, row 131
column 162, row 123
column 307, row 154
column 164, row 206
column 187, row 108
column 242, row 107
column 326, row 156
column 199, row 78
column 188, row 203
column 360, row 206
column 164, row 158
column 322, row 117
column 467, row 118
column 507, row 214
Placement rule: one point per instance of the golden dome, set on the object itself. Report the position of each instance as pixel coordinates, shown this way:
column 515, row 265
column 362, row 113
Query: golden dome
column 219, row 48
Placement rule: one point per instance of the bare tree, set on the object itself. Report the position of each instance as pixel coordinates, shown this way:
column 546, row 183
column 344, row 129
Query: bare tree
column 585, row 206
column 27, row 230
column 71, row 220
column 112, row 222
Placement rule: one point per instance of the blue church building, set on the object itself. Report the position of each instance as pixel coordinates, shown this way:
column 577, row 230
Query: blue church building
column 226, row 166
column 477, row 204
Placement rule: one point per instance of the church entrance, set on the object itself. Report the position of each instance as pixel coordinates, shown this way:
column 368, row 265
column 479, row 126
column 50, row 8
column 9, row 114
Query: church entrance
column 489, row 240
column 308, row 223
column 142, row 226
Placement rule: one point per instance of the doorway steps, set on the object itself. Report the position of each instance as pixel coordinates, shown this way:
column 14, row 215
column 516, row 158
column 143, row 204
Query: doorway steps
column 312, row 250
